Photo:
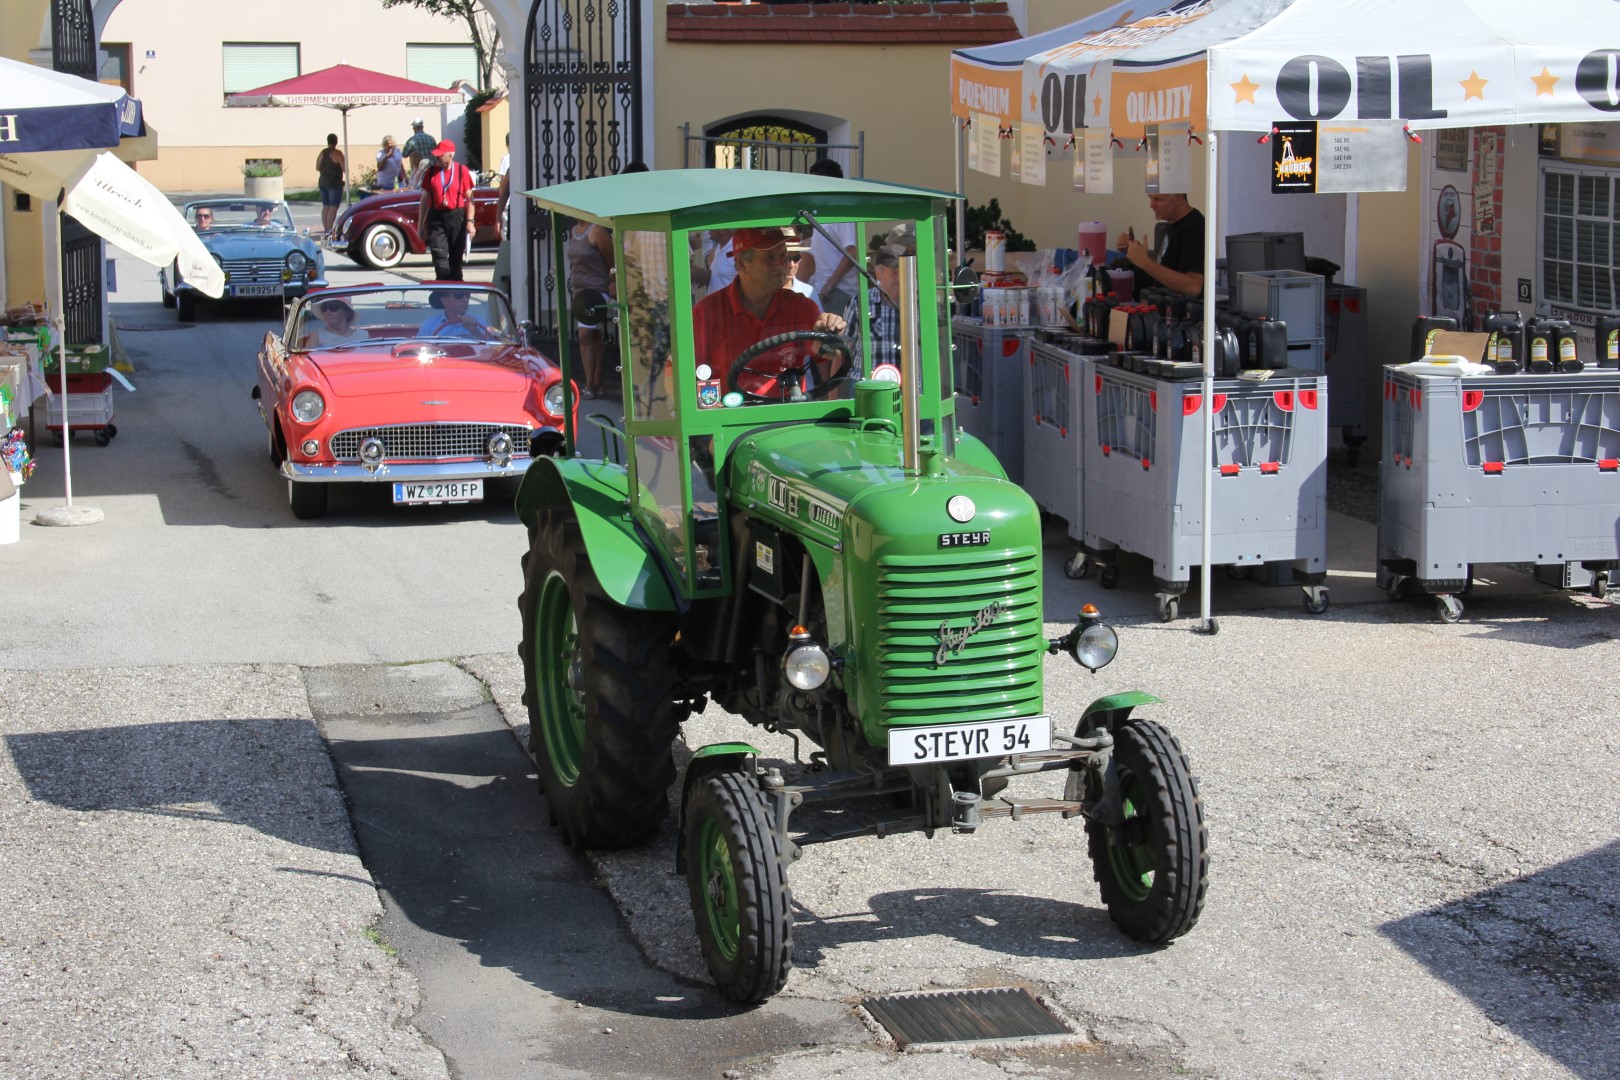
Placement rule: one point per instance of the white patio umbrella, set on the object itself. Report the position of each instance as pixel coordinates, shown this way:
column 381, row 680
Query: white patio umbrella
column 59, row 127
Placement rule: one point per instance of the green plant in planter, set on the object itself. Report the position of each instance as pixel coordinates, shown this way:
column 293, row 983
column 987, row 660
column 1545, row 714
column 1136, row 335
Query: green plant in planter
column 260, row 167
column 977, row 220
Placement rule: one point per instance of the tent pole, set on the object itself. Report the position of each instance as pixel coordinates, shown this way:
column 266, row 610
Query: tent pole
column 1206, row 624
column 961, row 191
column 346, row 185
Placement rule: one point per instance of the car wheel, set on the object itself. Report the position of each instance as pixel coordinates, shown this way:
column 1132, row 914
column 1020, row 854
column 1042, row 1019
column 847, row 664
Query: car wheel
column 168, row 299
column 186, row 302
column 308, row 501
column 599, row 685
column 1152, row 868
column 382, row 247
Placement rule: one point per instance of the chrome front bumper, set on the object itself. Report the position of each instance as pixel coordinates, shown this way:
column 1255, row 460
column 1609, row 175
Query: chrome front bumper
column 448, row 470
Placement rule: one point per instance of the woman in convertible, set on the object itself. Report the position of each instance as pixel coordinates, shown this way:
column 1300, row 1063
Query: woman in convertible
column 336, row 327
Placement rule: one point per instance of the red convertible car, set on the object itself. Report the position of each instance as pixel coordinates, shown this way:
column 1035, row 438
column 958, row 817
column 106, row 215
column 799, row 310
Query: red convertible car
column 380, row 230
column 425, row 388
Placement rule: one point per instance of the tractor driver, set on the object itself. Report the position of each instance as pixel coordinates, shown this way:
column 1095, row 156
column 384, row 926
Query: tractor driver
column 754, row 307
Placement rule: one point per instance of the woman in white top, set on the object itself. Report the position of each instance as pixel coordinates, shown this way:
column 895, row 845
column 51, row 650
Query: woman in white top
column 337, row 326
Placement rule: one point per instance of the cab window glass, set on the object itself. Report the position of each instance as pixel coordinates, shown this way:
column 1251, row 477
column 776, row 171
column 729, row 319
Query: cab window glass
column 644, row 294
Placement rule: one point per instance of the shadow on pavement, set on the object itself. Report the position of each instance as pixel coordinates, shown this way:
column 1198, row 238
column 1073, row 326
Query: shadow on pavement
column 1538, row 955
column 174, row 769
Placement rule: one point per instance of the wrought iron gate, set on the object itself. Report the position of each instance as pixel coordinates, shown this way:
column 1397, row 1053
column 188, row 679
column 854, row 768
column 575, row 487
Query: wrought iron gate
column 581, row 115
column 73, row 50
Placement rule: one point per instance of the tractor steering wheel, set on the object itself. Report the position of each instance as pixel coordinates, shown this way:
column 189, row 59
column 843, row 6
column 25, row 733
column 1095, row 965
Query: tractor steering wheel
column 792, row 374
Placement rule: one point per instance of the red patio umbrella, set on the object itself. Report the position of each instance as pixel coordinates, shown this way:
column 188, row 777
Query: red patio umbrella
column 343, row 88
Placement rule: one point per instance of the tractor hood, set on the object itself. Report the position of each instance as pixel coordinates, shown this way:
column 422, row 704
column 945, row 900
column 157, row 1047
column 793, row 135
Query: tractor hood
column 819, row 481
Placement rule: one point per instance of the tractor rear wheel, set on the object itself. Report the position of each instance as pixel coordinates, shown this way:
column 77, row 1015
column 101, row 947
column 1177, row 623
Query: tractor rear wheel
column 1153, row 870
column 599, row 685
column 738, row 882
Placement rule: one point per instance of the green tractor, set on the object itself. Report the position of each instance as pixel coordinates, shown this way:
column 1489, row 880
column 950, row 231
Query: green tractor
column 826, row 556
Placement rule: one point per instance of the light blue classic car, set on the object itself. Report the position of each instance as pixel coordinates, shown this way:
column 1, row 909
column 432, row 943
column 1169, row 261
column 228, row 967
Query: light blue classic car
column 259, row 247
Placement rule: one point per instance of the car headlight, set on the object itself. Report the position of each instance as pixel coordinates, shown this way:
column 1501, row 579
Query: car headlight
column 1097, row 643
column 307, row 406
column 296, row 261
column 806, row 664
column 554, row 399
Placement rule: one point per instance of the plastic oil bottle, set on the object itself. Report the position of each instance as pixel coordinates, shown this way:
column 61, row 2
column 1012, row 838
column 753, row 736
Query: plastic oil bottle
column 1541, row 346
column 1423, row 332
column 1607, row 339
column 1505, row 351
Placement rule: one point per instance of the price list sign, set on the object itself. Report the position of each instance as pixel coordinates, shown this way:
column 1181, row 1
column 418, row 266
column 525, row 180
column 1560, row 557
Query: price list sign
column 1338, row 156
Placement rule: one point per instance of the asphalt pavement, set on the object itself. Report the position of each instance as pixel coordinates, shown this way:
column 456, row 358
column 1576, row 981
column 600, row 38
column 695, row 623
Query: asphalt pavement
column 1414, row 826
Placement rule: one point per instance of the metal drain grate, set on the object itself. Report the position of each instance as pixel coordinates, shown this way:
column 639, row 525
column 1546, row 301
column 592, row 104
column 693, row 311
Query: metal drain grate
column 956, row 1016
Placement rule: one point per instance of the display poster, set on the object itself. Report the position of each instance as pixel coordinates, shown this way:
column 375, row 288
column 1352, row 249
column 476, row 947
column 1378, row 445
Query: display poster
column 1099, row 162
column 1293, row 157
column 1150, row 174
column 987, row 137
column 1334, row 157
column 1590, row 144
column 1175, row 158
column 1451, row 149
column 1032, row 143
column 1551, row 138
column 1361, row 155
column 1079, row 162
column 1485, row 185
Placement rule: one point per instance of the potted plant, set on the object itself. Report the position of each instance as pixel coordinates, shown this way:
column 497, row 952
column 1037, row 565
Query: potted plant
column 976, row 221
column 262, row 178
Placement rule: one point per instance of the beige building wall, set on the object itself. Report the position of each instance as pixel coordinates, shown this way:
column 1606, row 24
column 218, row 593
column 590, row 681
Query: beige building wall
column 181, row 82
column 20, row 230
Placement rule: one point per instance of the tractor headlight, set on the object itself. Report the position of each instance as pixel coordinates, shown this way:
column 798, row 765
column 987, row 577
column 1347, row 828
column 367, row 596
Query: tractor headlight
column 806, row 664
column 499, row 449
column 1096, row 643
column 554, row 399
column 371, row 452
column 307, row 406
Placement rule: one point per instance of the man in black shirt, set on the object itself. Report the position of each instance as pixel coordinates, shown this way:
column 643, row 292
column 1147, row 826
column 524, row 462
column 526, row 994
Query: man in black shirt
column 1179, row 263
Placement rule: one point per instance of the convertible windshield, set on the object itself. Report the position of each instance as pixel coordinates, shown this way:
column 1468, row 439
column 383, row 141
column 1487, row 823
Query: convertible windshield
column 333, row 318
column 219, row 215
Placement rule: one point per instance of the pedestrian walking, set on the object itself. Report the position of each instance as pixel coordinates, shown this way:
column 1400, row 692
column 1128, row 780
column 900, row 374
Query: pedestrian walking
column 446, row 214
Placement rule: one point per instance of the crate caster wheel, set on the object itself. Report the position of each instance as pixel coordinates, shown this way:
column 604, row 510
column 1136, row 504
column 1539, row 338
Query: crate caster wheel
column 1108, row 576
column 105, row 435
column 1078, row 566
column 1449, row 608
column 1600, row 584
column 1395, row 587
column 1316, row 599
column 1169, row 607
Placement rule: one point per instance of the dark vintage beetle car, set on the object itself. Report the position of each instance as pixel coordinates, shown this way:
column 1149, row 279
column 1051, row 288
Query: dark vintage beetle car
column 380, row 230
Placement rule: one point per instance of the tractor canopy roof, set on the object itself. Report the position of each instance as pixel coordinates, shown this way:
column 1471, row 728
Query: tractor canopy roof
column 700, row 198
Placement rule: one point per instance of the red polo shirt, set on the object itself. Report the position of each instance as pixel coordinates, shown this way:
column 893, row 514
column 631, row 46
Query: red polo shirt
column 722, row 328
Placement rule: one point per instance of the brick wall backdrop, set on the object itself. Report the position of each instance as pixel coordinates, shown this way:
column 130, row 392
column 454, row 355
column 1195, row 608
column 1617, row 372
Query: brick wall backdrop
column 956, row 24
column 1485, row 247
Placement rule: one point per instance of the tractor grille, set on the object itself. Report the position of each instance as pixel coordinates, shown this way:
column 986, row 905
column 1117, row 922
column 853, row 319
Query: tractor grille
column 254, row 271
column 996, row 674
column 429, row 442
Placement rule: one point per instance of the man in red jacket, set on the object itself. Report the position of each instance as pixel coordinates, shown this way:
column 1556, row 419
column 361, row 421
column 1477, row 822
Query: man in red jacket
column 446, row 214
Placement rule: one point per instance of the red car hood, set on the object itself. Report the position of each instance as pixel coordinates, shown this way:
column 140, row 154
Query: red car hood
column 461, row 368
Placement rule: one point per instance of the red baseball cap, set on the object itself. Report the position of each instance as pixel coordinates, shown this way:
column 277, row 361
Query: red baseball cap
column 762, row 239
column 445, row 147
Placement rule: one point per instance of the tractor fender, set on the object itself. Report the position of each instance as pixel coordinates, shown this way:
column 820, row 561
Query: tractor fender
column 598, row 492
column 1112, row 711
column 707, row 760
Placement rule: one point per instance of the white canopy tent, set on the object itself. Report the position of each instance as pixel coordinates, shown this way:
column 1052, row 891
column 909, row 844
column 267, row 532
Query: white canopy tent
column 1244, row 65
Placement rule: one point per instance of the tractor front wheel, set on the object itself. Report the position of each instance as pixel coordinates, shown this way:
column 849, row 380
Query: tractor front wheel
column 599, row 685
column 740, row 895
column 1153, row 869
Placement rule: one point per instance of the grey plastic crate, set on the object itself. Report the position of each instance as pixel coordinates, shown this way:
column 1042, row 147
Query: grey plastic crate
column 1293, row 296
column 989, row 363
column 1498, row 469
column 1143, row 472
column 1053, row 444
